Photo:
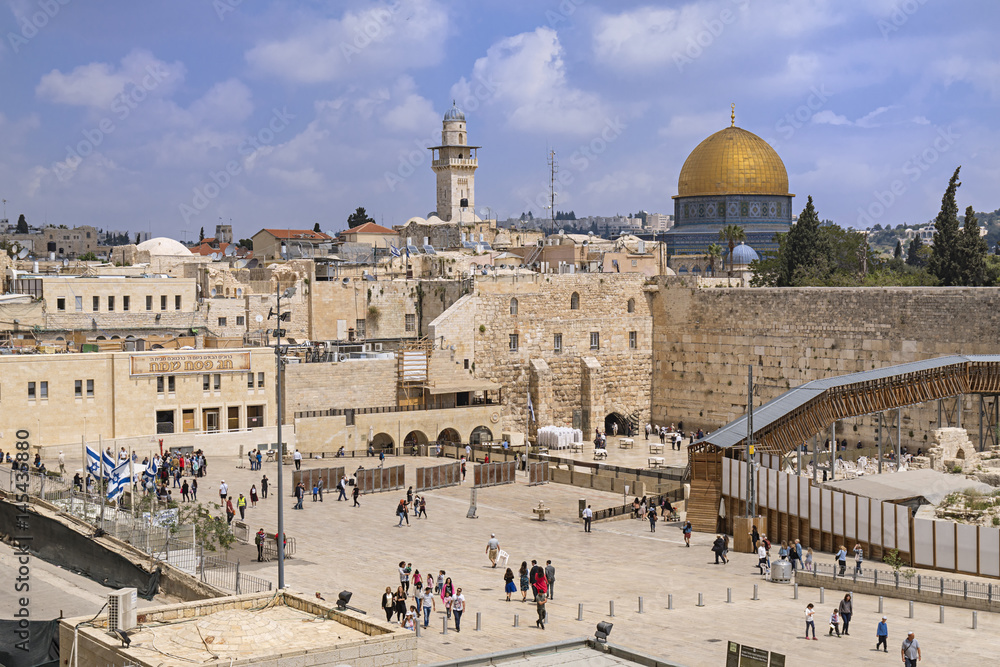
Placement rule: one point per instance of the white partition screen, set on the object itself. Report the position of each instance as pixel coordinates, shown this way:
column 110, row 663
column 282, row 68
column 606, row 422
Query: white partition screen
column 966, row 537
column 944, row 543
column 888, row 526
column 923, row 542
column 989, row 551
column 814, row 509
column 727, row 465
column 827, row 511
column 838, row 513
column 863, row 522
column 803, row 497
column 875, row 523
column 851, row 517
column 903, row 527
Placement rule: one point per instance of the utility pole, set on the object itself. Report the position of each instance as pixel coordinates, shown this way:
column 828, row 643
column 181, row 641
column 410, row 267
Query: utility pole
column 280, row 538
column 553, row 169
column 751, row 491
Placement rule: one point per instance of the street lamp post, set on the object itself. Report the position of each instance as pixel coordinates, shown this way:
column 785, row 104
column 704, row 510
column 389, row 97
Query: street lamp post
column 751, row 490
column 280, row 538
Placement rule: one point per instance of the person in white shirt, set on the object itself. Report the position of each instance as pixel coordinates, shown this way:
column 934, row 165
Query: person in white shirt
column 62, row 463
column 223, row 491
column 761, row 557
column 457, row 607
column 588, row 516
column 297, row 457
column 428, row 604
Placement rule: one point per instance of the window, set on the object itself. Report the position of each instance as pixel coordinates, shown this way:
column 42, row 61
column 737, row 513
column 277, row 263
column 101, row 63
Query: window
column 31, row 391
column 513, row 342
column 96, row 303
column 574, row 302
column 43, row 389
column 359, row 328
column 171, row 384
column 159, row 384
column 111, row 304
column 240, row 320
column 163, row 302
column 557, row 343
column 79, row 303
column 633, row 340
column 411, row 322
column 631, row 305
column 78, row 388
column 149, row 303
column 60, row 304
column 217, row 381
column 177, row 302
column 250, row 380
column 513, row 306
column 260, row 380
column 635, row 262
column 125, row 303
column 206, row 382
column 90, row 388
column 222, row 321
column 595, row 340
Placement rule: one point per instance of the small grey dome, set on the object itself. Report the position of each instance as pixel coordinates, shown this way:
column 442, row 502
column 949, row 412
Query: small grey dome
column 743, row 254
column 454, row 113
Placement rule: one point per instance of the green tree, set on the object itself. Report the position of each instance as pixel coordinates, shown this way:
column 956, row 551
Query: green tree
column 972, row 250
column 898, row 252
column 945, row 261
column 87, row 257
column 246, row 243
column 201, row 234
column 212, row 532
column 714, row 255
column 316, row 228
column 732, row 234
column 358, row 218
column 137, row 237
column 913, row 254
column 806, row 251
column 22, row 225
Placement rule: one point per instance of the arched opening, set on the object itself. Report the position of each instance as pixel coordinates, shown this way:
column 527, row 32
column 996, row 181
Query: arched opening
column 631, row 305
column 449, row 436
column 615, row 424
column 382, row 442
column 101, row 338
column 574, row 301
column 513, row 306
column 479, row 435
column 414, row 438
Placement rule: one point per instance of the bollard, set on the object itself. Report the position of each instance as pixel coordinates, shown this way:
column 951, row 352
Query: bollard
column 611, row 605
column 515, row 620
column 880, row 604
column 417, row 626
column 941, row 614
column 822, row 594
column 729, row 595
column 795, row 591
column 444, row 624
column 755, row 593
column 479, row 621
column 579, row 612
column 975, row 620
column 911, row 609
column 640, row 604
column 701, row 599
column 670, row 601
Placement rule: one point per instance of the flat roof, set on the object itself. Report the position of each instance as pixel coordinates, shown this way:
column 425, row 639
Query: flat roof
column 930, row 485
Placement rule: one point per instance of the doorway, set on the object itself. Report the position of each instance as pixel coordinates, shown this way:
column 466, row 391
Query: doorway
column 210, row 420
column 233, row 419
column 187, row 419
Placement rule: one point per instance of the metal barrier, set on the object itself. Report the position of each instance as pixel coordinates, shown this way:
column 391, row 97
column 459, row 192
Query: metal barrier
column 330, row 477
column 438, row 477
column 493, row 474
column 962, row 588
column 538, row 473
column 376, row 480
column 271, row 547
column 213, row 570
column 46, row 487
column 622, row 510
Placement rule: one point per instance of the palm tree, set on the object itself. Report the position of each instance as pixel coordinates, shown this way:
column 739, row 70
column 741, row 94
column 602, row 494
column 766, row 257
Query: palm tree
column 732, row 234
column 714, row 255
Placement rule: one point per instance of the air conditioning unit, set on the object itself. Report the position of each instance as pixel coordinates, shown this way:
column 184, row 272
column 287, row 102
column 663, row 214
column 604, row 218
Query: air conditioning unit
column 378, row 347
column 121, row 609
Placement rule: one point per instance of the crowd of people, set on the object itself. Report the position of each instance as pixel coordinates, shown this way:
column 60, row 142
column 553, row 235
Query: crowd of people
column 426, row 592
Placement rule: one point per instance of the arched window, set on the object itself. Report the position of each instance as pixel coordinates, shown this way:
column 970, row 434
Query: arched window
column 631, row 305
column 513, row 306
column 574, row 302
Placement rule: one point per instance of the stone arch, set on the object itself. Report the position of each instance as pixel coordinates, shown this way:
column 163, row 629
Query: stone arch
column 480, row 434
column 615, row 419
column 450, row 436
column 513, row 306
column 414, row 437
column 574, row 301
column 631, row 305
column 382, row 441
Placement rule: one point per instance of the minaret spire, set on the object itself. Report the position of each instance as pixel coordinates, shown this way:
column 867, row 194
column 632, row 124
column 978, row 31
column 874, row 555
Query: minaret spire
column 733, row 116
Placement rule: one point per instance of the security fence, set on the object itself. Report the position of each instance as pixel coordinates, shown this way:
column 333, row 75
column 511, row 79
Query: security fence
column 494, row 474
column 438, row 477
column 376, row 480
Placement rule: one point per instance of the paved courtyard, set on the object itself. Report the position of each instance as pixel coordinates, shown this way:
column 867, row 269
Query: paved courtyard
column 340, row 547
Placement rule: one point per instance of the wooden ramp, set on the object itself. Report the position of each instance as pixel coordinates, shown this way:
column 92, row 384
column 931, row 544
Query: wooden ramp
column 706, row 490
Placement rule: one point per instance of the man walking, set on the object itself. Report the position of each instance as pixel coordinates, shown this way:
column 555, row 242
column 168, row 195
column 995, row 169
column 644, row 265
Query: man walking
column 300, row 495
column 588, row 516
column 356, row 493
column 550, row 577
column 457, row 607
column 297, row 457
column 882, row 635
column 342, row 488
column 534, row 574
column 241, row 504
column 493, row 549
column 910, row 650
column 263, row 486
column 259, row 541
column 223, row 492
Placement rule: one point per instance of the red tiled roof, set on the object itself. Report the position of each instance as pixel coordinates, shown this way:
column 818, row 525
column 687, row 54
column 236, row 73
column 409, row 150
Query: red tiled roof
column 368, row 228
column 299, row 234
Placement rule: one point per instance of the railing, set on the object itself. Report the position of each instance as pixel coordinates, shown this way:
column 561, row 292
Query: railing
column 213, row 570
column 622, row 510
column 963, row 588
column 38, row 485
column 349, row 412
column 669, row 474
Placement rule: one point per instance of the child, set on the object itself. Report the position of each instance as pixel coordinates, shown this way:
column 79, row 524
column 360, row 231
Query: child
column 410, row 621
column 315, row 493
column 810, row 621
column 440, row 582
column 834, row 623
column 808, row 565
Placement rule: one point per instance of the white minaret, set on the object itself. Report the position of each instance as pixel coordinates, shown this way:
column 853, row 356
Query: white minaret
column 455, row 163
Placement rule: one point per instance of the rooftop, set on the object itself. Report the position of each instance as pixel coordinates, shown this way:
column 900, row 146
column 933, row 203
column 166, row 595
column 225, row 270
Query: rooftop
column 298, row 234
column 368, row 228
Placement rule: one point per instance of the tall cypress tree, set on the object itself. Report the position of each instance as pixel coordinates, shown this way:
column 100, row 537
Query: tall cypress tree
column 945, row 262
column 972, row 250
column 805, row 247
column 898, row 252
column 913, row 252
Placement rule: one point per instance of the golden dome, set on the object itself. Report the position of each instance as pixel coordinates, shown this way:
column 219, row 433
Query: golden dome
column 733, row 161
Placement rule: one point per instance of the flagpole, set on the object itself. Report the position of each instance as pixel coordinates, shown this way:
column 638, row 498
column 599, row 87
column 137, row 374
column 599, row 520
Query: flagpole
column 100, row 486
column 131, row 480
column 86, row 474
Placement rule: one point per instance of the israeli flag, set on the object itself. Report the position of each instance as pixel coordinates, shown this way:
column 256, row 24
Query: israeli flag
column 394, row 251
column 531, row 408
column 150, row 471
column 93, row 463
column 119, row 478
column 109, row 464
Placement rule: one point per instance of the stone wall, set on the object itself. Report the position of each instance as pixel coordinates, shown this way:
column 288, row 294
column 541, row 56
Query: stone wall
column 364, row 383
column 480, row 325
column 705, row 338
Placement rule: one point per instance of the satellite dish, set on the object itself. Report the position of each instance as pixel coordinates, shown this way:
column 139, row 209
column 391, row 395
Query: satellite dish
column 259, row 318
column 230, row 250
column 216, row 256
column 253, row 263
column 241, row 264
column 22, row 253
column 213, row 291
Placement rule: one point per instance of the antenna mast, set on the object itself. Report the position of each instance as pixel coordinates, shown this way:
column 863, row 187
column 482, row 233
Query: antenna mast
column 553, row 169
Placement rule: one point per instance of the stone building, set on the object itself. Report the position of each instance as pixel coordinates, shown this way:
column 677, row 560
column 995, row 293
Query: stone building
column 60, row 242
column 290, row 243
column 580, row 344
column 455, row 163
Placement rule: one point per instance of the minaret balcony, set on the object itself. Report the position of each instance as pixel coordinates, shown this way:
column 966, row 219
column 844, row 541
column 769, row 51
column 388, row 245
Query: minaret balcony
column 455, row 162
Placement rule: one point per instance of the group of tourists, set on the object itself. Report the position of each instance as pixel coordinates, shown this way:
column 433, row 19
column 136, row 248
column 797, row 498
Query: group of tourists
column 909, row 651
column 417, row 503
column 426, row 591
column 645, row 510
column 541, row 580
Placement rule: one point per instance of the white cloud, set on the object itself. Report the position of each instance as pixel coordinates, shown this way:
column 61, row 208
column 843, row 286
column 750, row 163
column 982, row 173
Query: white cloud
column 526, row 75
column 389, row 37
column 399, row 107
column 97, row 85
column 828, row 117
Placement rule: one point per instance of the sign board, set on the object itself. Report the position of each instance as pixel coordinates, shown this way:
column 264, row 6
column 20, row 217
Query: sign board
column 748, row 656
column 182, row 363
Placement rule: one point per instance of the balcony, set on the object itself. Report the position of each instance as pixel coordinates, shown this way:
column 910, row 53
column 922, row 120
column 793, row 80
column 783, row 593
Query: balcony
column 456, row 162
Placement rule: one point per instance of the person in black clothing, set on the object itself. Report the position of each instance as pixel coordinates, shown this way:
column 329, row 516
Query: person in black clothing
column 533, row 574
column 356, row 493
column 263, row 486
column 754, row 537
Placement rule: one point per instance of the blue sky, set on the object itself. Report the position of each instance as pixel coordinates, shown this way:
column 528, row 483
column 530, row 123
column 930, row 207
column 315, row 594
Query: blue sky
column 168, row 116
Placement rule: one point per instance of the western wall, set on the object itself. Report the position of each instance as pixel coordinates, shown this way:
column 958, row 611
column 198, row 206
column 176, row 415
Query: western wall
column 704, row 339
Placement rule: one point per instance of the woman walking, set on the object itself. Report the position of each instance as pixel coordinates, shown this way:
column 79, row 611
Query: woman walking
column 509, row 586
column 388, row 603
column 687, row 533
column 652, row 521
column 810, row 620
column 399, row 603
column 185, row 491
column 524, row 580
column 253, row 495
column 447, row 592
column 194, row 490
column 846, row 609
